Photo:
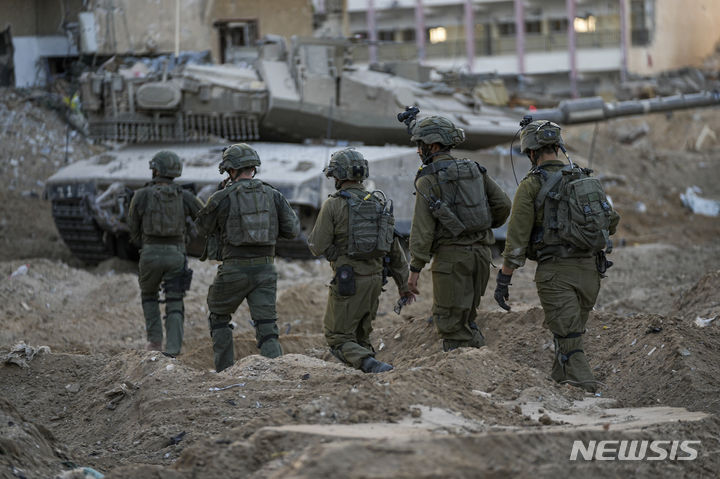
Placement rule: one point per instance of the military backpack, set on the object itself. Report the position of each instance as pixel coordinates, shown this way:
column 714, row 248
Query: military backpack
column 165, row 213
column 252, row 219
column 576, row 212
column 371, row 225
column 463, row 206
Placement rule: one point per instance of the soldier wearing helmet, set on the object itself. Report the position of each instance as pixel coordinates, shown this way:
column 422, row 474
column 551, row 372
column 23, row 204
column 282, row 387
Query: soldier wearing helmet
column 355, row 232
column 456, row 206
column 567, row 277
column 246, row 217
column 158, row 225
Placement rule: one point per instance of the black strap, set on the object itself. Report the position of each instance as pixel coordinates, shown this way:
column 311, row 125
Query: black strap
column 549, row 183
column 569, row 336
column 215, row 326
column 564, row 358
column 263, row 321
column 266, row 338
column 434, row 167
column 150, row 300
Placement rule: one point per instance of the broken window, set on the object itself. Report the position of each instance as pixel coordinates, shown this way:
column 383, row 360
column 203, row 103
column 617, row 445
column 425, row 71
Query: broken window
column 237, row 39
column 506, row 28
column 641, row 21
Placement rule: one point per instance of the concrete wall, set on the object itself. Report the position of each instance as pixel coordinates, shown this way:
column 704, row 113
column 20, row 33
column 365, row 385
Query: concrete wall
column 686, row 31
column 148, row 26
column 37, row 17
column 29, row 53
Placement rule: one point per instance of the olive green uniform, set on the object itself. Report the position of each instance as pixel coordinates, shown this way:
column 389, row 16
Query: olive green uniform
column 247, row 270
column 567, row 283
column 348, row 319
column 461, row 265
column 162, row 260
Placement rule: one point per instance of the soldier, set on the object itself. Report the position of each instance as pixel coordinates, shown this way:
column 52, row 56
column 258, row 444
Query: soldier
column 355, row 232
column 158, row 220
column 456, row 206
column 243, row 222
column 569, row 267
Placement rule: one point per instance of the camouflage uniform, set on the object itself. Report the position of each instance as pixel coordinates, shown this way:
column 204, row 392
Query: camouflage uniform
column 348, row 319
column 567, row 283
column 247, row 252
column 461, row 264
column 162, row 257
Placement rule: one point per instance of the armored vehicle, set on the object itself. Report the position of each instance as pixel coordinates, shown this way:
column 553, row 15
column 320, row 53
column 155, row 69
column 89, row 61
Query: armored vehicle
column 289, row 94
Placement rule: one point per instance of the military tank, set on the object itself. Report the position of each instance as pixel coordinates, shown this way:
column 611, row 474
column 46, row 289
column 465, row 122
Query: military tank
column 290, row 93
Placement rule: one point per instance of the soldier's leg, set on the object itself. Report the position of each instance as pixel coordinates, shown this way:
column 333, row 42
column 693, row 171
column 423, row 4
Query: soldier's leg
column 480, row 280
column 224, row 296
column 559, row 288
column 342, row 319
column 374, row 288
column 261, row 301
column 174, row 307
column 453, row 291
column 149, row 278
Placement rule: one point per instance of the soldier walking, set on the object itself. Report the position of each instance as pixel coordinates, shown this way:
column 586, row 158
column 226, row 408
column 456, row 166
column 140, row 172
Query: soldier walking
column 456, row 206
column 355, row 232
column 158, row 219
column 243, row 222
column 561, row 219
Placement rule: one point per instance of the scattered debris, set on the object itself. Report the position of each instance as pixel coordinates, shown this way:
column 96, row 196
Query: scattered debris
column 698, row 205
column 21, row 354
column 702, row 322
column 238, row 385
column 176, row 439
column 23, row 269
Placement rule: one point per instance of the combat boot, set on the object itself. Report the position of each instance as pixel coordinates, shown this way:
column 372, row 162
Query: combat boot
column 153, row 346
column 372, row 365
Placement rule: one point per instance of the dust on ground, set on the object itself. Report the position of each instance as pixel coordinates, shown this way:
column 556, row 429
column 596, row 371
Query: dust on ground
column 77, row 389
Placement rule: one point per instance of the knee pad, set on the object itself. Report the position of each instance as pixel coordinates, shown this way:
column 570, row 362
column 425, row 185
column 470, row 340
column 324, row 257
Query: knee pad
column 219, row 321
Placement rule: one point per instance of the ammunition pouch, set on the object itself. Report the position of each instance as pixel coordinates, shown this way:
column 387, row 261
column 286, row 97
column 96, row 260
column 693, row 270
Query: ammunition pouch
column 442, row 212
column 345, row 280
column 602, row 263
column 179, row 284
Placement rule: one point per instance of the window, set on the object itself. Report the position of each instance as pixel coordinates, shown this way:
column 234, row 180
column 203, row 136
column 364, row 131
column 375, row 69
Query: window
column 584, row 24
column 641, row 21
column 533, row 26
column 438, row 35
column 558, row 25
column 386, row 36
column 506, row 29
column 408, row 35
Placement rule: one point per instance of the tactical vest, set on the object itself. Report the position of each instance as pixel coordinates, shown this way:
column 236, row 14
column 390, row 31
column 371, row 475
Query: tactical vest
column 165, row 213
column 252, row 219
column 371, row 225
column 576, row 212
column 463, row 205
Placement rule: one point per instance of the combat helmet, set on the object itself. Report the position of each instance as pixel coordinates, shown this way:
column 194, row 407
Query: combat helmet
column 437, row 129
column 238, row 156
column 167, row 164
column 539, row 133
column 347, row 164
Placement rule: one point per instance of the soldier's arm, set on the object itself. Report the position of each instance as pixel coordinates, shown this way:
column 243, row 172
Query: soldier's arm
column 206, row 220
column 135, row 219
column 522, row 219
column 192, row 204
column 614, row 220
column 399, row 267
column 288, row 222
column 499, row 201
column 422, row 231
column 320, row 240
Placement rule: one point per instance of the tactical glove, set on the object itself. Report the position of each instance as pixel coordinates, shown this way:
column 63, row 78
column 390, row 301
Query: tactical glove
column 502, row 292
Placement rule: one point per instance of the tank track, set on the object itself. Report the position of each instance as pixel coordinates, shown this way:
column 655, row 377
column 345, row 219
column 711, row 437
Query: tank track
column 79, row 230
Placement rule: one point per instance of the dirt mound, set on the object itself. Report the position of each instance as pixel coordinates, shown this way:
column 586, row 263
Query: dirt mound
column 701, row 302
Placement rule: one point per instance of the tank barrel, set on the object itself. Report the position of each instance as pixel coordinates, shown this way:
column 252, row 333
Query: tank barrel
column 585, row 110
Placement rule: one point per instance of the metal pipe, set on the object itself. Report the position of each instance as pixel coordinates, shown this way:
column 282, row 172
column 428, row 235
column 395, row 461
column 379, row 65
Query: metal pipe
column 571, row 48
column 177, row 29
column 623, row 41
column 520, row 35
column 420, row 30
column 372, row 32
column 470, row 34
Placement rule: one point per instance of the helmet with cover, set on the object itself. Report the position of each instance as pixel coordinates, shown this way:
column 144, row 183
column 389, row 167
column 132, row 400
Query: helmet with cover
column 347, row 164
column 539, row 133
column 437, row 129
column 167, row 164
column 238, row 156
